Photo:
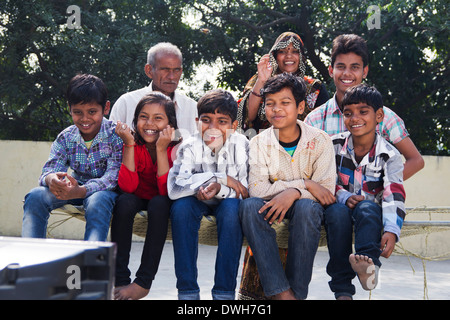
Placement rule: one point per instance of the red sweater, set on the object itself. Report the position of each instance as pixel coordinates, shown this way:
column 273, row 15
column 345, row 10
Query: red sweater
column 144, row 182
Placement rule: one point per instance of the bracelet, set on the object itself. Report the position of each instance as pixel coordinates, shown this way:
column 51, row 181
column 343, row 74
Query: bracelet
column 256, row 94
column 129, row 145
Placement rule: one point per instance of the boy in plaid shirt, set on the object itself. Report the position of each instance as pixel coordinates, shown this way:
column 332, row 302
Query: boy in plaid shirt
column 92, row 149
column 369, row 195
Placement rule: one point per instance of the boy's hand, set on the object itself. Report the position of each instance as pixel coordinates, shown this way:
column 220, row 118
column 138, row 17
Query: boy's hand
column 388, row 241
column 56, row 182
column 64, row 186
column 209, row 192
column 322, row 194
column 124, row 132
column 353, row 201
column 238, row 187
column 166, row 136
column 279, row 205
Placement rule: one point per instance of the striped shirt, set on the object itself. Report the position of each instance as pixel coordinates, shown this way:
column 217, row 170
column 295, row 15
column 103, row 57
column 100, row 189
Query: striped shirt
column 378, row 177
column 329, row 118
column 197, row 166
column 96, row 168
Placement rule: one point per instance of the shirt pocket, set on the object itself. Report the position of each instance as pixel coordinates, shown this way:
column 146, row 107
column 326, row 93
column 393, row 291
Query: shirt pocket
column 373, row 187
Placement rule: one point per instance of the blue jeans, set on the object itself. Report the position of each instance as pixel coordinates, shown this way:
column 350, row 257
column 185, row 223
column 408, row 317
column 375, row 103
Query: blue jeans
column 186, row 215
column 305, row 223
column 39, row 202
column 366, row 218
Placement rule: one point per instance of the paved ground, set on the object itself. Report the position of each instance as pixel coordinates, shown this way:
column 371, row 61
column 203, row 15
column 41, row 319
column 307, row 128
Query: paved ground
column 400, row 277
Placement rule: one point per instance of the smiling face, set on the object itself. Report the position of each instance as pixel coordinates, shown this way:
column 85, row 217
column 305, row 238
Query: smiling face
column 282, row 110
column 288, row 59
column 88, row 118
column 215, row 129
column 348, row 71
column 361, row 119
column 152, row 119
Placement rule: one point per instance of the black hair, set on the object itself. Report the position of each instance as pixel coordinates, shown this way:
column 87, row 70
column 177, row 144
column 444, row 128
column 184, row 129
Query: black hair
column 285, row 80
column 220, row 101
column 86, row 88
column 346, row 43
column 362, row 93
column 158, row 98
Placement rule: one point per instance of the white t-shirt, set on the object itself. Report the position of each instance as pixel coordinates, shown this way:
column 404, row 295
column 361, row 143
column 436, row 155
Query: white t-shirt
column 185, row 107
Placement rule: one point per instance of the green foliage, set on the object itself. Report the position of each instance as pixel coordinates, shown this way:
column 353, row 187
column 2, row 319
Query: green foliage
column 414, row 85
column 39, row 54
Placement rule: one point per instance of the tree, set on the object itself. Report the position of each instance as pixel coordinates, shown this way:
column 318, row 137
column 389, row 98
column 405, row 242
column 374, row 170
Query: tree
column 409, row 52
column 39, row 54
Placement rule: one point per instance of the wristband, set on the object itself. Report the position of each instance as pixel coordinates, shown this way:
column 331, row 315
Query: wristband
column 256, row 94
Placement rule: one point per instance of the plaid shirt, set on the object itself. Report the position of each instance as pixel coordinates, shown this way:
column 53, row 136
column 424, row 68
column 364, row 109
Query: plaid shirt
column 329, row 118
column 378, row 177
column 196, row 165
column 96, row 168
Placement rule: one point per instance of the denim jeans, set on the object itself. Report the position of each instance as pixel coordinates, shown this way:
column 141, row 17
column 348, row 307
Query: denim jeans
column 126, row 208
column 186, row 215
column 305, row 223
column 39, row 202
column 366, row 218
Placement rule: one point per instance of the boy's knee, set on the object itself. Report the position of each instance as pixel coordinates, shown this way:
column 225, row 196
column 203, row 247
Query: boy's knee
column 248, row 208
column 307, row 210
column 336, row 211
column 184, row 208
column 38, row 193
column 367, row 208
column 102, row 198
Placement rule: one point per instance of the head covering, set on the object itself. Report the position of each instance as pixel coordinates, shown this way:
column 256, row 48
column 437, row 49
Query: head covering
column 313, row 85
column 282, row 42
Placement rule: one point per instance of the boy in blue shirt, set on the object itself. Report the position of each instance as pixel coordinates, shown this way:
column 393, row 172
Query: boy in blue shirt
column 92, row 149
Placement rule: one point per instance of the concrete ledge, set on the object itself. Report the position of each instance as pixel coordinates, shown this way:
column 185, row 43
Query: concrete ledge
column 22, row 162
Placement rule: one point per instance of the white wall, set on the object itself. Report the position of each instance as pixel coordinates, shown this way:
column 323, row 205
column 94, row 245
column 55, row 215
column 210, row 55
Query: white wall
column 21, row 163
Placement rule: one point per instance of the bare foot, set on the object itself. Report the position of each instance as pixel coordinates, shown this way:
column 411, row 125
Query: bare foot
column 285, row 295
column 132, row 291
column 365, row 269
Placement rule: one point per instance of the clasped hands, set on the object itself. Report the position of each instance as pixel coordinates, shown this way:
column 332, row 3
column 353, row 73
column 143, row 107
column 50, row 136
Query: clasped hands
column 64, row 186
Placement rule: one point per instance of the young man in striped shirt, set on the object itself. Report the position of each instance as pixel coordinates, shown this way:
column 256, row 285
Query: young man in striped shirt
column 369, row 195
column 349, row 67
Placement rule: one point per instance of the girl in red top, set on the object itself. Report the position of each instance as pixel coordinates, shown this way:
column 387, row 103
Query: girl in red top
column 147, row 157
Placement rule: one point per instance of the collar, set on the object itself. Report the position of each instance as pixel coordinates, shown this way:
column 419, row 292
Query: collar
column 307, row 134
column 175, row 94
column 75, row 135
column 334, row 108
column 348, row 149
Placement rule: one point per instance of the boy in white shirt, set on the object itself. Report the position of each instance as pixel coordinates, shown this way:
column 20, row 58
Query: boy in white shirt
column 209, row 177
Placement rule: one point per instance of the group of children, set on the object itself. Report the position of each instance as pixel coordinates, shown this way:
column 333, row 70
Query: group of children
column 288, row 171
